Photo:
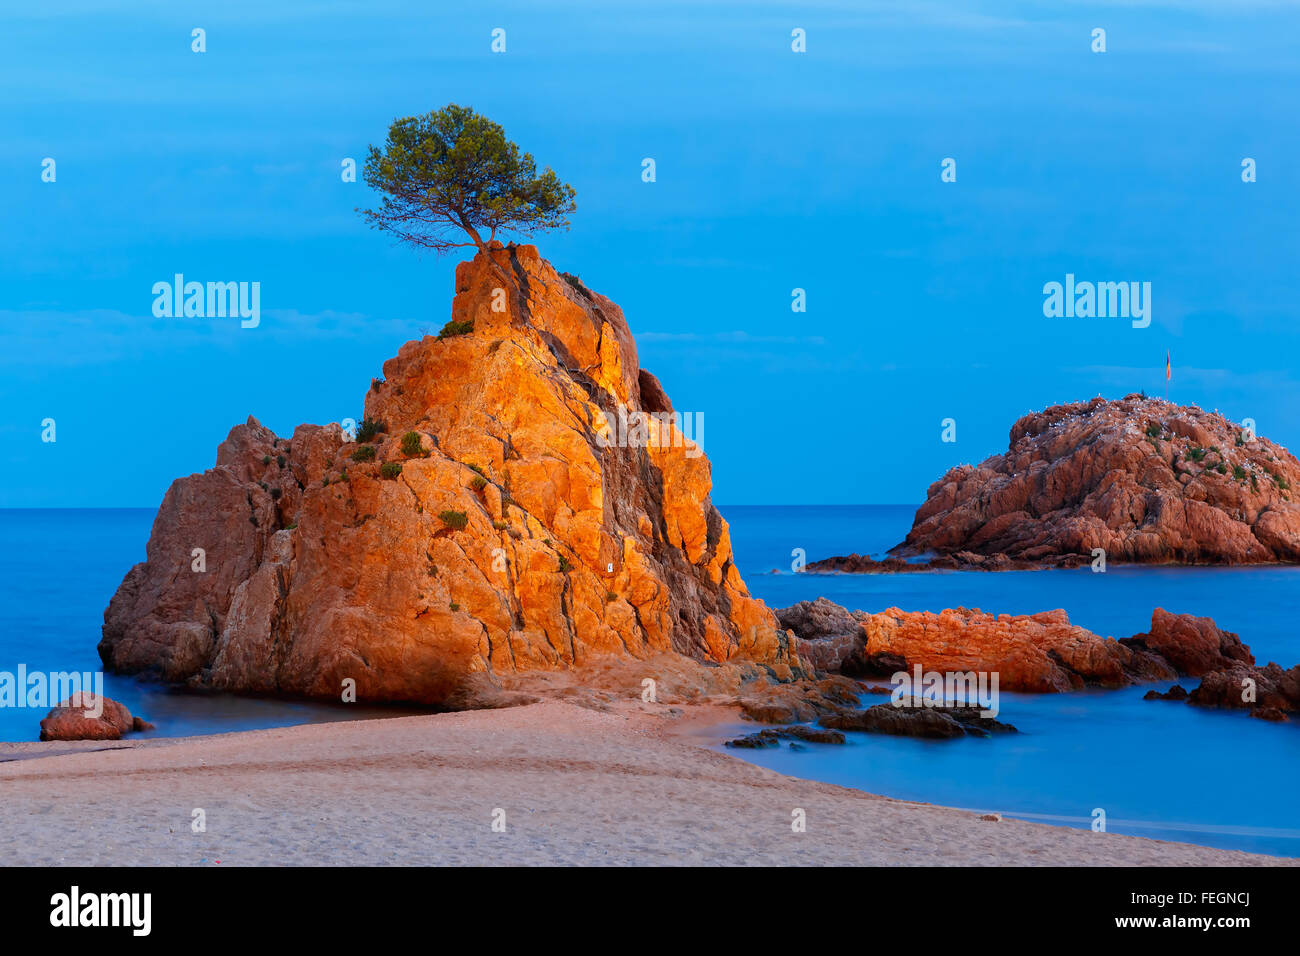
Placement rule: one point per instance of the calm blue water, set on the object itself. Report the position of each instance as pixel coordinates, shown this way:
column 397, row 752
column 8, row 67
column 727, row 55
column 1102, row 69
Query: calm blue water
column 1158, row 769
column 58, row 569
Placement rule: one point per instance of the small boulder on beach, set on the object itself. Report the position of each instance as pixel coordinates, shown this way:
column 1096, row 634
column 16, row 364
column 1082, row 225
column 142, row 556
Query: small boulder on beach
column 90, row 717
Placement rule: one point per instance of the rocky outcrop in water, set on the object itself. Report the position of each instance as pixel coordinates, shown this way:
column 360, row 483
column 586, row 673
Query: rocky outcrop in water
column 1035, row 653
column 1177, row 692
column 1192, row 645
column 1143, row 479
column 488, row 519
column 1038, row 653
column 772, row 737
column 1268, row 692
column 919, row 720
column 1030, row 652
column 830, row 635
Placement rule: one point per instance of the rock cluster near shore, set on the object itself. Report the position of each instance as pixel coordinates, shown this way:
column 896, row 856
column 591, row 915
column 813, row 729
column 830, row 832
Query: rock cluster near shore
column 1034, row 653
column 1044, row 653
column 485, row 522
column 1143, row 479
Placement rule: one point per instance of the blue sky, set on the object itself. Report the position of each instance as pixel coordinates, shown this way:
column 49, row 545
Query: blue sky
column 775, row 170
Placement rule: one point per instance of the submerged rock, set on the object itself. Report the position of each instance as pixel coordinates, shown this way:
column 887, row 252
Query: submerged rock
column 772, row 737
column 916, row 720
column 1177, row 692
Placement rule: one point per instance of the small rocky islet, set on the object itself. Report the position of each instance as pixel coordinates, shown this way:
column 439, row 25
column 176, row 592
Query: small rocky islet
column 1140, row 479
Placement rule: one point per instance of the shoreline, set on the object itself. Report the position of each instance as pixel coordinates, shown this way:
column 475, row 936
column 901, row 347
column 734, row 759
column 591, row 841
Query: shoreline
column 626, row 784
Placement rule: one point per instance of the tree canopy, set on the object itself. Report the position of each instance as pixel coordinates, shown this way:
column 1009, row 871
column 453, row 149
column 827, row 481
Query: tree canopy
column 453, row 169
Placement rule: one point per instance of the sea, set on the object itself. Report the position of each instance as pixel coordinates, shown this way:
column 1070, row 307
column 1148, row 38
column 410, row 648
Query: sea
column 1108, row 758
column 58, row 570
column 1093, row 758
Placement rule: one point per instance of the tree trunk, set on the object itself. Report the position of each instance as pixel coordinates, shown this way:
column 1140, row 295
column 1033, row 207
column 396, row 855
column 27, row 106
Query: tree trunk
column 507, row 280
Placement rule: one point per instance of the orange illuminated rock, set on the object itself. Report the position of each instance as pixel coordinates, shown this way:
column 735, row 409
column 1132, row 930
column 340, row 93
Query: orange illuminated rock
column 519, row 535
column 1030, row 652
column 1035, row 653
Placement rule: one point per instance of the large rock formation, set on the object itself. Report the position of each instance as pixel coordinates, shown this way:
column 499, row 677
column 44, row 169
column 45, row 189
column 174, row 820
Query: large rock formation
column 1143, row 479
column 496, row 525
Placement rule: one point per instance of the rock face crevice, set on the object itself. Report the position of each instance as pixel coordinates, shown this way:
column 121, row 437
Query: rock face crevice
column 521, row 535
column 1144, row 480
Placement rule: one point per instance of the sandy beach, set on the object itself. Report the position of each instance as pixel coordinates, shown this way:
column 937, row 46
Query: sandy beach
column 634, row 785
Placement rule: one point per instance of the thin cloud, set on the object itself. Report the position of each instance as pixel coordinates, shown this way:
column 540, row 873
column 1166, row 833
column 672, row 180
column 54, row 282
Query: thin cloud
column 99, row 336
column 730, row 338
